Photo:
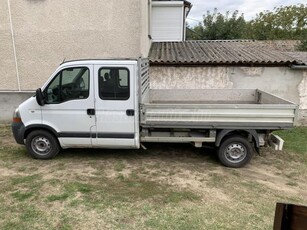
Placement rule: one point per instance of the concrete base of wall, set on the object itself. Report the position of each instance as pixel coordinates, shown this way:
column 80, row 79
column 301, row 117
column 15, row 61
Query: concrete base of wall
column 9, row 101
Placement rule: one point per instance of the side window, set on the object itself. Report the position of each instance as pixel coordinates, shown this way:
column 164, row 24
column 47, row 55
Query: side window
column 69, row 84
column 114, row 83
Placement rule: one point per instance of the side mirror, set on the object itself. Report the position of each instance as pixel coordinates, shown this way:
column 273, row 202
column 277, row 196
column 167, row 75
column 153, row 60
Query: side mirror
column 40, row 97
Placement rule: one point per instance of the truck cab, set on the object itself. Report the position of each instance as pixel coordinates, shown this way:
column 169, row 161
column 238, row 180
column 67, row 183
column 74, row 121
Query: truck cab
column 87, row 103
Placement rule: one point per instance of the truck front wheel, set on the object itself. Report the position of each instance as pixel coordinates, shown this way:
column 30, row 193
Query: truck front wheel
column 235, row 152
column 42, row 144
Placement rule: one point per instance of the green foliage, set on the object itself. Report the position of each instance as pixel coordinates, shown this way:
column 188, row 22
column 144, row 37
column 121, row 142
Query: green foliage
column 217, row 26
column 303, row 46
column 195, row 33
column 285, row 22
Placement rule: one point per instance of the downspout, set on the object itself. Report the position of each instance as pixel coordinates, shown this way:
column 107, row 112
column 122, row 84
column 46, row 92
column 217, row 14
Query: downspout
column 184, row 24
column 14, row 47
column 186, row 10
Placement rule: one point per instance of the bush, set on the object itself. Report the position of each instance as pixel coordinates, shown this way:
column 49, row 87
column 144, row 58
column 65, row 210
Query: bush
column 303, row 46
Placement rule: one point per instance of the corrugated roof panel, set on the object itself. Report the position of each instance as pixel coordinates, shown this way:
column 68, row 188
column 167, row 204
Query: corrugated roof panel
column 221, row 52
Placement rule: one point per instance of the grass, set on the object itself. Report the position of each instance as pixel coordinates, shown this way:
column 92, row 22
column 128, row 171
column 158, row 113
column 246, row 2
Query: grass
column 165, row 187
column 60, row 197
column 22, row 196
column 296, row 139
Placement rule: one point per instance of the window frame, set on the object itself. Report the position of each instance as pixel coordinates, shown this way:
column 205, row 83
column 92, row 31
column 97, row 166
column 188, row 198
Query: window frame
column 119, row 86
column 60, row 88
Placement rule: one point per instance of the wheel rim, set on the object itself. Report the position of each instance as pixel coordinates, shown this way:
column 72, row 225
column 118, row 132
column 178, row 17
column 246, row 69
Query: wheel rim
column 235, row 152
column 41, row 145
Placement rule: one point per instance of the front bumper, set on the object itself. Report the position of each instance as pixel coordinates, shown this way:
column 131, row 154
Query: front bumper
column 19, row 132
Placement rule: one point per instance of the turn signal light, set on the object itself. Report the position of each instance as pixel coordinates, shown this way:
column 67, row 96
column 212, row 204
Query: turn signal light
column 16, row 119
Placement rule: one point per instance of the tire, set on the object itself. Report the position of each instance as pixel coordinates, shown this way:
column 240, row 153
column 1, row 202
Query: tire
column 42, row 145
column 235, row 152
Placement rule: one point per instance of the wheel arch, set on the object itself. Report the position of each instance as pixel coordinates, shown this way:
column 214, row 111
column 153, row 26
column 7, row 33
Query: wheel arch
column 242, row 132
column 47, row 128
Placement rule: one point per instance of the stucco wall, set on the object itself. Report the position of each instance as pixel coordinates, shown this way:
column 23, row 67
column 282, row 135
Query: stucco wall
column 47, row 31
column 8, row 80
column 281, row 81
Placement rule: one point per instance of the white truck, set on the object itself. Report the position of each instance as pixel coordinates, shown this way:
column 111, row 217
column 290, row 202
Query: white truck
column 108, row 104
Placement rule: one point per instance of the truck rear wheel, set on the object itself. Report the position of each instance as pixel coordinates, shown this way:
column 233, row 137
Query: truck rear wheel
column 235, row 152
column 42, row 145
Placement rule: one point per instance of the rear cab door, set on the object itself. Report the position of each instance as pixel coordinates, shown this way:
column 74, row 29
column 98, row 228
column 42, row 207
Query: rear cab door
column 115, row 104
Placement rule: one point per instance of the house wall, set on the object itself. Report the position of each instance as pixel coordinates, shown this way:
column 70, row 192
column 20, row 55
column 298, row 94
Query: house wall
column 8, row 78
column 47, row 32
column 281, row 81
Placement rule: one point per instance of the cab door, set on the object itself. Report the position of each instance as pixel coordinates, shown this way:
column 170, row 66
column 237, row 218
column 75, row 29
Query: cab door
column 70, row 104
column 114, row 106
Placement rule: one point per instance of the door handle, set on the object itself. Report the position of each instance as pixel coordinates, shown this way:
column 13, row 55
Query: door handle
column 91, row 112
column 130, row 112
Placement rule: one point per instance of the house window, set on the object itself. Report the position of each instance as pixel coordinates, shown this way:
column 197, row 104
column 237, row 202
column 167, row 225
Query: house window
column 167, row 21
column 114, row 83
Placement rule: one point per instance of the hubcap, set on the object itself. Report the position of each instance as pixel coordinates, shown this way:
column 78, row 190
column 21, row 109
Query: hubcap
column 235, row 153
column 41, row 146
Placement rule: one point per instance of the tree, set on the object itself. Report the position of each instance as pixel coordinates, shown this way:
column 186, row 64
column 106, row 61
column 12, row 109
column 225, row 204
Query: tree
column 303, row 46
column 195, row 33
column 284, row 22
column 217, row 26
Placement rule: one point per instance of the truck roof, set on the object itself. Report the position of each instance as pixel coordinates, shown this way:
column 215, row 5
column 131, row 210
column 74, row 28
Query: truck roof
column 100, row 61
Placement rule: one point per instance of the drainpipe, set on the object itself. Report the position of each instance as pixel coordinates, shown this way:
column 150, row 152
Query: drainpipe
column 13, row 43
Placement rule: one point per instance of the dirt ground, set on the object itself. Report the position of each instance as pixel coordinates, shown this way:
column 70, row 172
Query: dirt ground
column 163, row 187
